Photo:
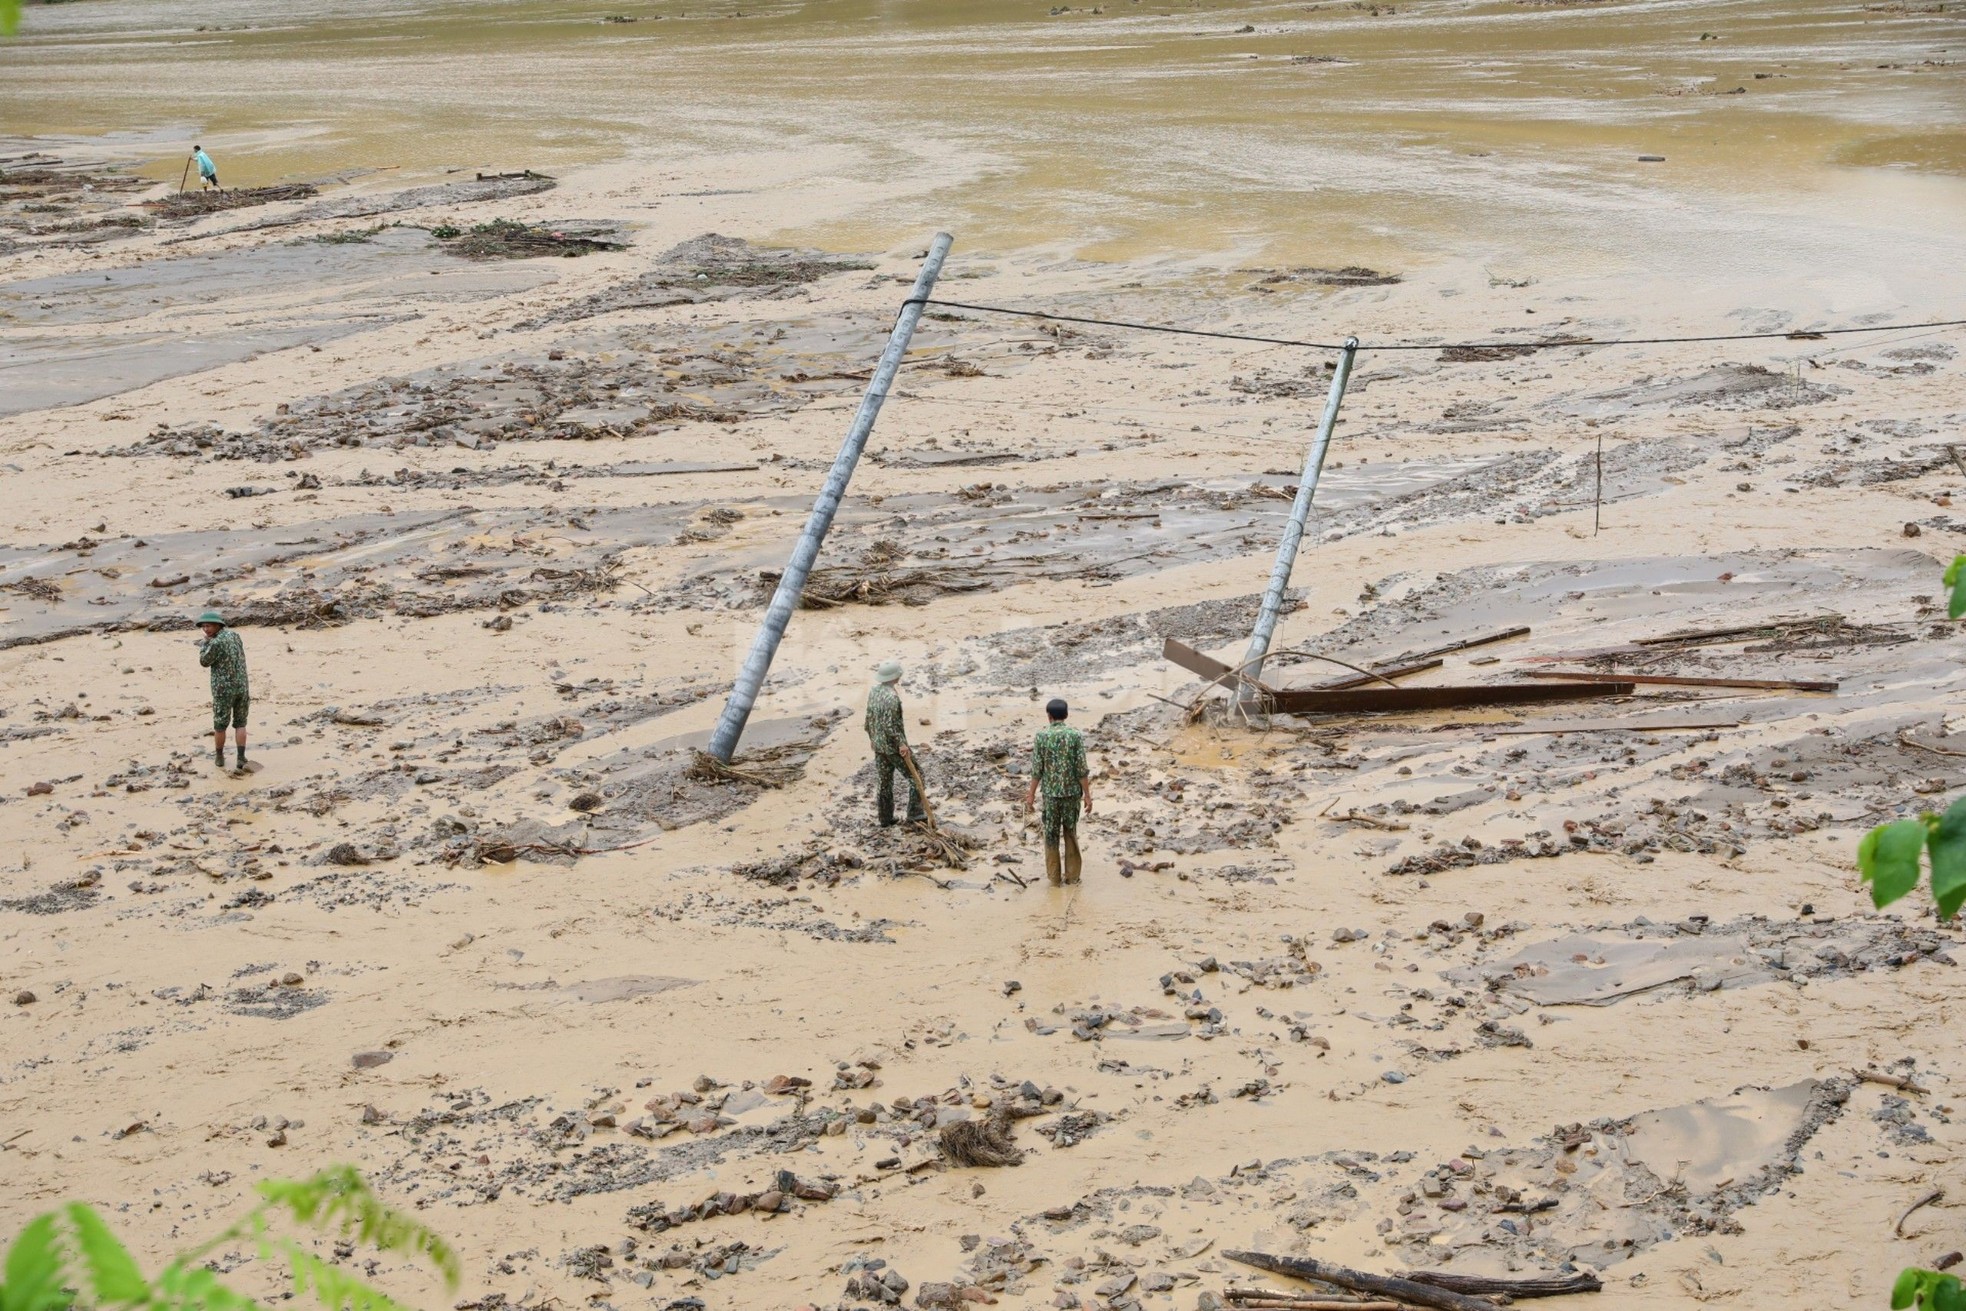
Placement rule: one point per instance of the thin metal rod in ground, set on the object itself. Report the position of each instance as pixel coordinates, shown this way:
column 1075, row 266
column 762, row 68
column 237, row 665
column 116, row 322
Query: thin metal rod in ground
column 1597, row 510
column 744, row 693
column 1300, row 509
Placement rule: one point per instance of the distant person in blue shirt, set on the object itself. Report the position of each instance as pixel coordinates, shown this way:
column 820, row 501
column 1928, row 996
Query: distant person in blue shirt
column 207, row 171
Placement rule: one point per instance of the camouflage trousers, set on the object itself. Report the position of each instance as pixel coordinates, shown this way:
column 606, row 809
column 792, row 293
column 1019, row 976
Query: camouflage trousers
column 1062, row 861
column 229, row 708
column 885, row 768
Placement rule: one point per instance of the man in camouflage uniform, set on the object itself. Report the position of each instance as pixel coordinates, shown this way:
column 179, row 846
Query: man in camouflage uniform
column 224, row 654
column 1058, row 770
column 889, row 738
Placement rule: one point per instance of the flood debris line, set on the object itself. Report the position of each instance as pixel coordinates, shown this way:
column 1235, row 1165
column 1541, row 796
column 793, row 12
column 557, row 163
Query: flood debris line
column 510, row 239
column 706, row 268
column 329, row 572
column 193, row 204
column 367, row 205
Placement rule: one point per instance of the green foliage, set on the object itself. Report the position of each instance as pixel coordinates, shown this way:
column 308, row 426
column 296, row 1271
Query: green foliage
column 1955, row 581
column 9, row 17
column 69, row 1259
column 1888, row 858
column 1927, row 1290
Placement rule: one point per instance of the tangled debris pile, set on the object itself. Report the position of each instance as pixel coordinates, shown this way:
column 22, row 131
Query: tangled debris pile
column 192, row 204
column 510, row 239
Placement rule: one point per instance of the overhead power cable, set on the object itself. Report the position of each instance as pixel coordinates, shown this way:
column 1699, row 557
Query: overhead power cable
column 1810, row 334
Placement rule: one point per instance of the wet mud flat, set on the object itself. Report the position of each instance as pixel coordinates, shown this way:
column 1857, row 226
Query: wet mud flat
column 631, row 1027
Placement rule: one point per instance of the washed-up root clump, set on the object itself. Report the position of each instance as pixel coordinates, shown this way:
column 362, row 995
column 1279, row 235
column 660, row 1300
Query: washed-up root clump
column 872, row 582
column 772, row 767
column 981, row 1142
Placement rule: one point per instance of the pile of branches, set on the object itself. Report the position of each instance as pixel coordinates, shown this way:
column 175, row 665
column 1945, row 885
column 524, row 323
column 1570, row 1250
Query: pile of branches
column 772, row 767
column 191, row 204
column 511, row 239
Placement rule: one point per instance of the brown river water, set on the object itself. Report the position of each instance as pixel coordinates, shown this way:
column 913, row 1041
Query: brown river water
column 1324, row 133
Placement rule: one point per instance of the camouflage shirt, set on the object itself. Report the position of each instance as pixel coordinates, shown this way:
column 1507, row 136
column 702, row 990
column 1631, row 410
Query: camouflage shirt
column 884, row 727
column 225, row 656
column 1058, row 761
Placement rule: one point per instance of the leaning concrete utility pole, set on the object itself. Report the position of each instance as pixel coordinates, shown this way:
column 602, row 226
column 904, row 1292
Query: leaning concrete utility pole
column 1293, row 532
column 750, row 679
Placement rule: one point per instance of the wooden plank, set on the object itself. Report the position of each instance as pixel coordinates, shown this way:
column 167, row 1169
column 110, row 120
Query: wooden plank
column 1311, row 701
column 1175, row 651
column 1690, row 680
column 1467, row 643
column 1180, row 653
column 1361, row 680
column 1612, row 726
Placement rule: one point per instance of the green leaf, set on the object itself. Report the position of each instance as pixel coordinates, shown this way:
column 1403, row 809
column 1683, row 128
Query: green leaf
column 1956, row 579
column 113, row 1273
column 36, row 1268
column 1888, row 857
column 194, row 1288
column 1948, row 845
column 341, row 1199
column 1947, row 1295
column 1905, row 1289
column 9, row 17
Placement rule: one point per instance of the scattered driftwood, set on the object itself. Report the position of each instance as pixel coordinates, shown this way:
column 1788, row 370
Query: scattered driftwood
column 190, row 204
column 1262, row 1299
column 1379, row 672
column 1688, row 680
column 1910, row 741
column 1927, row 1200
column 1356, row 816
column 950, row 850
column 1466, row 643
column 981, row 1142
column 1358, row 1281
column 1903, row 1083
column 1539, row 1286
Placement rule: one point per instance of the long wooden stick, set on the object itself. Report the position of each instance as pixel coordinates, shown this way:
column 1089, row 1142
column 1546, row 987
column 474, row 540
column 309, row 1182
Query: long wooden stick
column 1689, row 680
column 184, row 177
column 915, row 778
column 1541, row 1286
column 1403, row 1290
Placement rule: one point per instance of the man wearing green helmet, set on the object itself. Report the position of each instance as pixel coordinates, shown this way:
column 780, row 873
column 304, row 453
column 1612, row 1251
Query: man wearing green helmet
column 888, row 735
column 224, row 654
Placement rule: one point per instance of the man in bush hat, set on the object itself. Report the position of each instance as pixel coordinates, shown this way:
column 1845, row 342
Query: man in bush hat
column 1058, row 770
column 221, row 651
column 889, row 737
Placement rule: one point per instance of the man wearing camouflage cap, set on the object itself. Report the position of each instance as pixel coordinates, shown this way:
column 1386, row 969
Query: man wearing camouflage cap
column 221, row 651
column 888, row 735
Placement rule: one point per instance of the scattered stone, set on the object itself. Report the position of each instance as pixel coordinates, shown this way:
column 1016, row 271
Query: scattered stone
column 370, row 1060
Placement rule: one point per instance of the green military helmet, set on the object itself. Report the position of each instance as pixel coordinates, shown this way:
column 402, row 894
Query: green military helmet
column 212, row 617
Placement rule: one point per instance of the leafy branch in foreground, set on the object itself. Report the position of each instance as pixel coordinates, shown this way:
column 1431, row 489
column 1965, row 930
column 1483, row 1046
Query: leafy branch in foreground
column 69, row 1259
column 1889, row 858
column 1955, row 581
column 1927, row 1290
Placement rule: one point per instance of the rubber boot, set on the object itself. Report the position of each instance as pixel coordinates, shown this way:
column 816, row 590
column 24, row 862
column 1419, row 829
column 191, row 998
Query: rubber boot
column 1073, row 862
column 1051, row 870
column 218, row 756
column 240, row 765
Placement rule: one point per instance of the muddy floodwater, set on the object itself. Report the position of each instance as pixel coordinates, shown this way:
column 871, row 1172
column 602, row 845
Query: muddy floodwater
column 487, row 401
column 1822, row 139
